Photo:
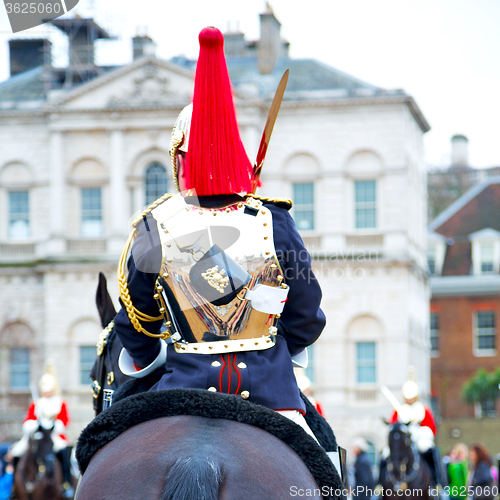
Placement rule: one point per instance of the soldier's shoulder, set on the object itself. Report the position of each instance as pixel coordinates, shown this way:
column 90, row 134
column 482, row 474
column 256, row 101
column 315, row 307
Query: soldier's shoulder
column 284, row 203
column 147, row 211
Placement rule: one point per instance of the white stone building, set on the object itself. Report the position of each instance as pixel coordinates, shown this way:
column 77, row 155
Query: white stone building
column 77, row 163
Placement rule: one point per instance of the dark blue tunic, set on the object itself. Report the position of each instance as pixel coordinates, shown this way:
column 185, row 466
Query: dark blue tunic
column 268, row 374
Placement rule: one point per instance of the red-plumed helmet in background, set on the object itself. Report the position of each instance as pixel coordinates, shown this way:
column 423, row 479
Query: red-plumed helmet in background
column 216, row 161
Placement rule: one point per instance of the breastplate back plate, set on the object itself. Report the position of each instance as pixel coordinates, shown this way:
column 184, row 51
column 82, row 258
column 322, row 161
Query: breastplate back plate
column 219, row 319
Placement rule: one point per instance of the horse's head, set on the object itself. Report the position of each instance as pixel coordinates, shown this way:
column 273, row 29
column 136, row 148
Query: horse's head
column 399, row 441
column 41, row 448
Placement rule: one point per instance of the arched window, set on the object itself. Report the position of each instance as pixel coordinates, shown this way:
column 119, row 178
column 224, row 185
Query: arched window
column 155, row 182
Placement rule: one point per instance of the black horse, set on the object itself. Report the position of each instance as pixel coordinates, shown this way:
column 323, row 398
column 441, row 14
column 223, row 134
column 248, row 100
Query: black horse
column 405, row 471
column 38, row 474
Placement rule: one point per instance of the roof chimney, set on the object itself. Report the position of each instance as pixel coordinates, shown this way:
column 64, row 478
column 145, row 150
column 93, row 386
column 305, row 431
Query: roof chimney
column 270, row 41
column 82, row 36
column 28, row 54
column 234, row 44
column 459, row 151
column 143, row 46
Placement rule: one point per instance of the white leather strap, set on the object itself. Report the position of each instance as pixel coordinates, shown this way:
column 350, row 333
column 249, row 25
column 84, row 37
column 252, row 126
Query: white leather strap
column 268, row 299
column 126, row 363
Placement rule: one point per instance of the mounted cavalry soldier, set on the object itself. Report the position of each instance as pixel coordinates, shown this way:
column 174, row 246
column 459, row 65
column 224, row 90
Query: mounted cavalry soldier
column 49, row 410
column 421, row 423
column 215, row 282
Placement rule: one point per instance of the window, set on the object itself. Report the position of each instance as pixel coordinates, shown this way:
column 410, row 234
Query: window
column 19, row 214
column 431, row 261
column 365, row 204
column 155, row 182
column 434, row 334
column 485, row 330
column 87, row 358
column 19, row 368
column 488, row 408
column 91, row 212
column 366, row 367
column 487, row 257
column 303, row 206
column 434, row 402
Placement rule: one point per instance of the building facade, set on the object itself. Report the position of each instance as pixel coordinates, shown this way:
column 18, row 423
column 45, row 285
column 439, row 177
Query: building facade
column 464, row 260
column 77, row 163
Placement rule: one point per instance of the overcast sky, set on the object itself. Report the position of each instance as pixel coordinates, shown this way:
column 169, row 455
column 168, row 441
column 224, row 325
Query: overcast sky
column 445, row 53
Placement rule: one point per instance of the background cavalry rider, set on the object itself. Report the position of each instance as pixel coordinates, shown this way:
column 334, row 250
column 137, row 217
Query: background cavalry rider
column 209, row 160
column 49, row 410
column 422, row 428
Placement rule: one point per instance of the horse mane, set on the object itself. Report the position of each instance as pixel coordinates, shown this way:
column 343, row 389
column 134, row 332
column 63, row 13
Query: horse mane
column 193, row 477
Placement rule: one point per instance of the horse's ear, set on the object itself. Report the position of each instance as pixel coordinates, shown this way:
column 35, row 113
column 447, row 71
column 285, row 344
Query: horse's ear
column 104, row 303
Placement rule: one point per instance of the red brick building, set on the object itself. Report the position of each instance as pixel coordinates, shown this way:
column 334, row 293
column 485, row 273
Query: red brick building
column 464, row 262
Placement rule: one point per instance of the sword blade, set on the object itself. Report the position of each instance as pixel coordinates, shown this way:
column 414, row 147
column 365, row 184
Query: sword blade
column 392, row 399
column 271, row 120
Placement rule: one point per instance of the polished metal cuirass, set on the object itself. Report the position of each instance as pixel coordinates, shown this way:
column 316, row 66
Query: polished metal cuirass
column 212, row 258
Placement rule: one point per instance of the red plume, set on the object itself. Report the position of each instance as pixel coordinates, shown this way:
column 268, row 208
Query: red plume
column 216, row 161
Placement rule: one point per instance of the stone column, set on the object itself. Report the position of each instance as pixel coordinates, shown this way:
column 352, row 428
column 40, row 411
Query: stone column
column 118, row 193
column 56, row 244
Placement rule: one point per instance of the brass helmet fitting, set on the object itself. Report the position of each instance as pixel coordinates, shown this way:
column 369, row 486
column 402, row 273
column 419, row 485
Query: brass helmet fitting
column 179, row 139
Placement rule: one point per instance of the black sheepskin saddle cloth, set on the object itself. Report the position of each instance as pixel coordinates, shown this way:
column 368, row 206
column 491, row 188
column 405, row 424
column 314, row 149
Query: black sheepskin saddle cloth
column 146, row 406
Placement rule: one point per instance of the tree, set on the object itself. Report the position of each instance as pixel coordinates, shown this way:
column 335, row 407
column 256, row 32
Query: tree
column 482, row 388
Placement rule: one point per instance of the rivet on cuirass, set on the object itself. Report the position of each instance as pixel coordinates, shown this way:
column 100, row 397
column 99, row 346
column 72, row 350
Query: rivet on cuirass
column 278, row 315
column 201, row 212
column 162, row 310
column 195, row 348
column 226, row 346
column 216, row 364
column 165, row 275
column 265, row 223
column 273, row 266
column 156, row 296
column 242, row 345
column 266, row 237
column 228, row 210
column 212, row 389
column 283, row 285
column 215, row 213
column 256, row 343
column 245, row 394
column 268, row 253
column 240, row 205
column 159, row 288
column 168, row 323
column 210, row 347
column 263, row 212
column 242, row 365
column 280, row 278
